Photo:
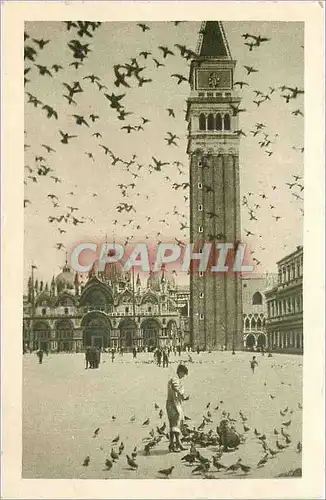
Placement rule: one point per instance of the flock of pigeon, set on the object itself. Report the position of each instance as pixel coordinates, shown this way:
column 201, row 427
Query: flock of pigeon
column 126, row 75
column 205, row 444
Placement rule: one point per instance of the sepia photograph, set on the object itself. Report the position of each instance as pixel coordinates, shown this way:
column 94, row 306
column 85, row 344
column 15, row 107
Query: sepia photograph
column 139, row 135
column 163, row 300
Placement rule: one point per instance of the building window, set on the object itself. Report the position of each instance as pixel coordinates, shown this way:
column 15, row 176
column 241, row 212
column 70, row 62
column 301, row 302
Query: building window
column 201, row 94
column 200, row 208
column 201, row 274
column 44, row 311
column 201, row 316
column 257, row 299
column 227, row 94
column 149, row 309
column 200, row 186
column 210, row 122
column 200, row 163
column 247, row 324
column 127, row 309
column 227, row 122
column 200, row 229
column 201, row 295
column 164, row 321
column 218, row 122
column 66, row 310
column 289, row 273
column 202, row 122
column 298, row 270
column 210, row 94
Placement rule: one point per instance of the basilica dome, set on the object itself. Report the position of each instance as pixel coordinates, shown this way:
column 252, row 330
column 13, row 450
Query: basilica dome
column 169, row 278
column 113, row 271
column 154, row 282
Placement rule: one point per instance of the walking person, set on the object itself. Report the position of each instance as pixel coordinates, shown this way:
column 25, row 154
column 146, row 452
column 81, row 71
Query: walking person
column 175, row 398
column 40, row 356
column 253, row 364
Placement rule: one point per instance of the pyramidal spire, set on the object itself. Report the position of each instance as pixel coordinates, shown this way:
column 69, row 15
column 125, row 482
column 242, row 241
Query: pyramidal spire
column 212, row 41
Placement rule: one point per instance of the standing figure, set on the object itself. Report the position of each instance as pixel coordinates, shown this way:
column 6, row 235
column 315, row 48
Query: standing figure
column 134, row 353
column 253, row 364
column 159, row 356
column 88, row 358
column 165, row 355
column 112, row 354
column 179, row 349
column 175, row 397
column 97, row 357
column 40, row 356
column 198, row 350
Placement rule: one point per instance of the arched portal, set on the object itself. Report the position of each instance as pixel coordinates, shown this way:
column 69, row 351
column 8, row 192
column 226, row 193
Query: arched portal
column 151, row 332
column 64, row 333
column 250, row 341
column 97, row 297
column 128, row 333
column 42, row 335
column 261, row 340
column 96, row 330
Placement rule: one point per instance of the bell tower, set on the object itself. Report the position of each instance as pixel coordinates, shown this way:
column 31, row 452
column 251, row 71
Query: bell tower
column 213, row 149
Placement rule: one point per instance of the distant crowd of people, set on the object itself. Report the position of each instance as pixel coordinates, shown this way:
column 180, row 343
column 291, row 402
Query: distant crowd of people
column 161, row 354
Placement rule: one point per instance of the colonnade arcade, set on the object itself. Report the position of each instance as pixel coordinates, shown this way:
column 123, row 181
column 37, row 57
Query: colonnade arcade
column 98, row 329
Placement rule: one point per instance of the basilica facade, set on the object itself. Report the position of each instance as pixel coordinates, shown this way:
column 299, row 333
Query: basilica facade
column 104, row 309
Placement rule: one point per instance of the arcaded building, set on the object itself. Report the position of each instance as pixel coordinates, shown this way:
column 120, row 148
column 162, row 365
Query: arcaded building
column 105, row 309
column 285, row 305
column 254, row 306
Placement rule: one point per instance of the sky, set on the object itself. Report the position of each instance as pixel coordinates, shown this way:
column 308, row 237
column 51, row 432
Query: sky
column 91, row 184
